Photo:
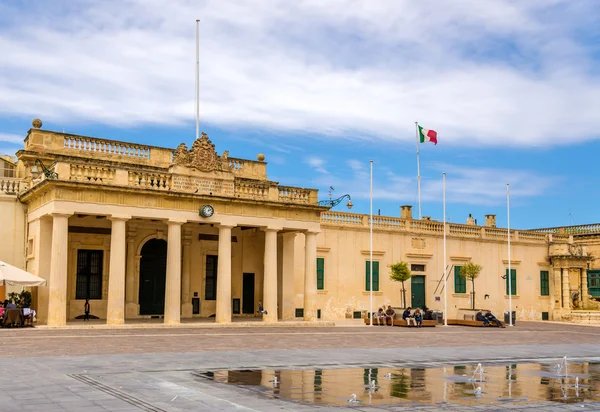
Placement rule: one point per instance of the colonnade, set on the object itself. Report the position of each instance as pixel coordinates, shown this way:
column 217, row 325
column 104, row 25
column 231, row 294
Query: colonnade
column 120, row 299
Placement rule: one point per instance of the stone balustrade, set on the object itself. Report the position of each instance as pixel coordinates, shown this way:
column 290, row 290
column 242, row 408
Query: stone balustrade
column 93, row 174
column 52, row 143
column 288, row 194
column 149, row 180
column 572, row 230
column 11, row 185
column 251, row 190
column 333, row 219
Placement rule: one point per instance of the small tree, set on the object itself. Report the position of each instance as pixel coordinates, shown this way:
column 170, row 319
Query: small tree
column 470, row 271
column 400, row 273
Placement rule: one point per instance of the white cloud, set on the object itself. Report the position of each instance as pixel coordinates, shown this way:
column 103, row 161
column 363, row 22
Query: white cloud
column 317, row 164
column 498, row 72
column 464, row 185
column 11, row 138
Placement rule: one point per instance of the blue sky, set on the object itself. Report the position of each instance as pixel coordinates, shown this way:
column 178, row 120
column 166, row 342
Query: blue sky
column 512, row 88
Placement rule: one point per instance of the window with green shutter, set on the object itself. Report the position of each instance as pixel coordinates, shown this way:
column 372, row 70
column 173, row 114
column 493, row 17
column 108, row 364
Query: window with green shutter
column 544, row 283
column 460, row 283
column 513, row 281
column 375, row 276
column 320, row 273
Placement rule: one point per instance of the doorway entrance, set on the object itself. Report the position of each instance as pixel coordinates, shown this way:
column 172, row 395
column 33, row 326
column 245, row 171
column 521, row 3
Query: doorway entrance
column 248, row 294
column 153, row 276
column 417, row 289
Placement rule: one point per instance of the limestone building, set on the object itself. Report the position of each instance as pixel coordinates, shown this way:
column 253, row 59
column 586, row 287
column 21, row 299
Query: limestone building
column 145, row 231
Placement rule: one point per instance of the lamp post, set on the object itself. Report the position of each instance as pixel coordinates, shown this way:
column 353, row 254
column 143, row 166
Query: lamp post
column 334, row 202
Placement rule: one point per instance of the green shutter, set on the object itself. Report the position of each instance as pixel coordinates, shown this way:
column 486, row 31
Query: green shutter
column 460, row 283
column 375, row 276
column 320, row 273
column 544, row 283
column 513, row 281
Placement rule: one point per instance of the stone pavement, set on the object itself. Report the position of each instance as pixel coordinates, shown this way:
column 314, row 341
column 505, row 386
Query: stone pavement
column 151, row 369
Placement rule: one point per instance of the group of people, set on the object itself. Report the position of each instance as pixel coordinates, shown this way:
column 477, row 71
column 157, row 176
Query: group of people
column 488, row 319
column 11, row 318
column 415, row 317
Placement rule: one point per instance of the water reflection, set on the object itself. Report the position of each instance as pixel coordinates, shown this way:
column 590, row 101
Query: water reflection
column 517, row 383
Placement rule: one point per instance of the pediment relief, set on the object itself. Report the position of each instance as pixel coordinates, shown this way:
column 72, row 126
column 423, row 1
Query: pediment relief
column 202, row 156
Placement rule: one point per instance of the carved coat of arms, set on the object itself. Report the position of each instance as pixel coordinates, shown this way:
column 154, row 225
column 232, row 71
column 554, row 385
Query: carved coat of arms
column 202, row 156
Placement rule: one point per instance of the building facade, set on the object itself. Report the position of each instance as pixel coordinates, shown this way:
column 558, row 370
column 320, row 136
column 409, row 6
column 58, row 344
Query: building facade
column 145, row 231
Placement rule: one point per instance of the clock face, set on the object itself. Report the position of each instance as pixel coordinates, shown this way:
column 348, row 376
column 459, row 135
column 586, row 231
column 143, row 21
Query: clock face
column 207, row 211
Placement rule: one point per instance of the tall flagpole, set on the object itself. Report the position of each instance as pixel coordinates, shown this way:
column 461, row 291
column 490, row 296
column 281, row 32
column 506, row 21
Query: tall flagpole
column 197, row 79
column 418, row 169
column 509, row 268
column 371, row 244
column 445, row 285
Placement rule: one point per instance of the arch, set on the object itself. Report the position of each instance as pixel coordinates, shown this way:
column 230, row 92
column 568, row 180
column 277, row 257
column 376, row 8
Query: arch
column 152, row 277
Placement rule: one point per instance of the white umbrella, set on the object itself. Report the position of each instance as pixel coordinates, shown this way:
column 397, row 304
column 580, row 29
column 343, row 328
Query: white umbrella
column 14, row 276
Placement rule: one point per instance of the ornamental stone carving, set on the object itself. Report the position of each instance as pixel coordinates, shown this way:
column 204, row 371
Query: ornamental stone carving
column 202, row 156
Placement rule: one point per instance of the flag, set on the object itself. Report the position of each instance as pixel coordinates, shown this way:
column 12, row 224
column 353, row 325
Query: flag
column 427, row 135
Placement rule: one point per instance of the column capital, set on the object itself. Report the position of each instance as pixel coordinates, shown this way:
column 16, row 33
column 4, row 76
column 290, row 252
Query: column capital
column 270, row 229
column 59, row 214
column 225, row 225
column 119, row 218
column 176, row 222
column 311, row 232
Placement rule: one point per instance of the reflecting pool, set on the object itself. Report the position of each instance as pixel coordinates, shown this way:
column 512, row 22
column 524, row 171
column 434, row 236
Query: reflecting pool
column 469, row 384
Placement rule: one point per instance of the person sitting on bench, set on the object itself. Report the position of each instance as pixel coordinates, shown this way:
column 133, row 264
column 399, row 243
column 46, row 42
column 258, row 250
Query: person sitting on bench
column 418, row 317
column 479, row 316
column 427, row 313
column 408, row 317
column 380, row 316
column 261, row 309
column 489, row 316
column 390, row 314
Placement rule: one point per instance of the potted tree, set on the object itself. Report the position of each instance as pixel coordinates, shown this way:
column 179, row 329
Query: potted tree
column 470, row 271
column 401, row 273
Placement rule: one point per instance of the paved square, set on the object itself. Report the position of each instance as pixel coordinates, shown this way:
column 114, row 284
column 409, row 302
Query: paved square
column 151, row 368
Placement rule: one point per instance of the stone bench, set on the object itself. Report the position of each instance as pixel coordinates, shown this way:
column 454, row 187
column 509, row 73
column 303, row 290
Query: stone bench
column 468, row 322
column 401, row 322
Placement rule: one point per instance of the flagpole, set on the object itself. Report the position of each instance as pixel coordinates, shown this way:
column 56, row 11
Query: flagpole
column 371, row 243
column 509, row 268
column 445, row 285
column 418, row 169
column 197, row 79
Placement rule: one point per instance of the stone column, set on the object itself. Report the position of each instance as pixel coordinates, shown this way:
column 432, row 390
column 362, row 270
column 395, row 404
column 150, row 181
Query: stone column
column 130, row 305
column 173, row 285
column 44, row 254
column 57, row 291
column 186, row 301
column 288, row 269
column 115, row 306
column 310, row 277
column 584, row 288
column 270, row 275
column 557, row 282
column 223, row 314
column 566, row 291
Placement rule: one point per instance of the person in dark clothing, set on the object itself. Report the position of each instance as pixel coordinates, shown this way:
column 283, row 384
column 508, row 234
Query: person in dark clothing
column 408, row 317
column 482, row 318
column 261, row 308
column 492, row 319
column 86, row 310
column 427, row 313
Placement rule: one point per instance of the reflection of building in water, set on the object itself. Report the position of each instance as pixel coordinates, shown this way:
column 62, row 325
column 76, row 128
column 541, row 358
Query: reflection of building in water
column 187, row 232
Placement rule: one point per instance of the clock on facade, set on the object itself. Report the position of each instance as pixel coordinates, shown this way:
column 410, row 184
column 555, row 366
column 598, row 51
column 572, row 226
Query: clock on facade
column 207, row 211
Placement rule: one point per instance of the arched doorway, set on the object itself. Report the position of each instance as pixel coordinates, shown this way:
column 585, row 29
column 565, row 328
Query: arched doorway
column 153, row 273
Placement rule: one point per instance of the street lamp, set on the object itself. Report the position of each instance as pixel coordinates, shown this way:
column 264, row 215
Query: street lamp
column 334, row 202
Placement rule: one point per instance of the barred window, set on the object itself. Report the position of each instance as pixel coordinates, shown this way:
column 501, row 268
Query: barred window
column 89, row 274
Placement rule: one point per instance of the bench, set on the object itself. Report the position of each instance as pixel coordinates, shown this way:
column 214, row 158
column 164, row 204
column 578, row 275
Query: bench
column 469, row 322
column 401, row 322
